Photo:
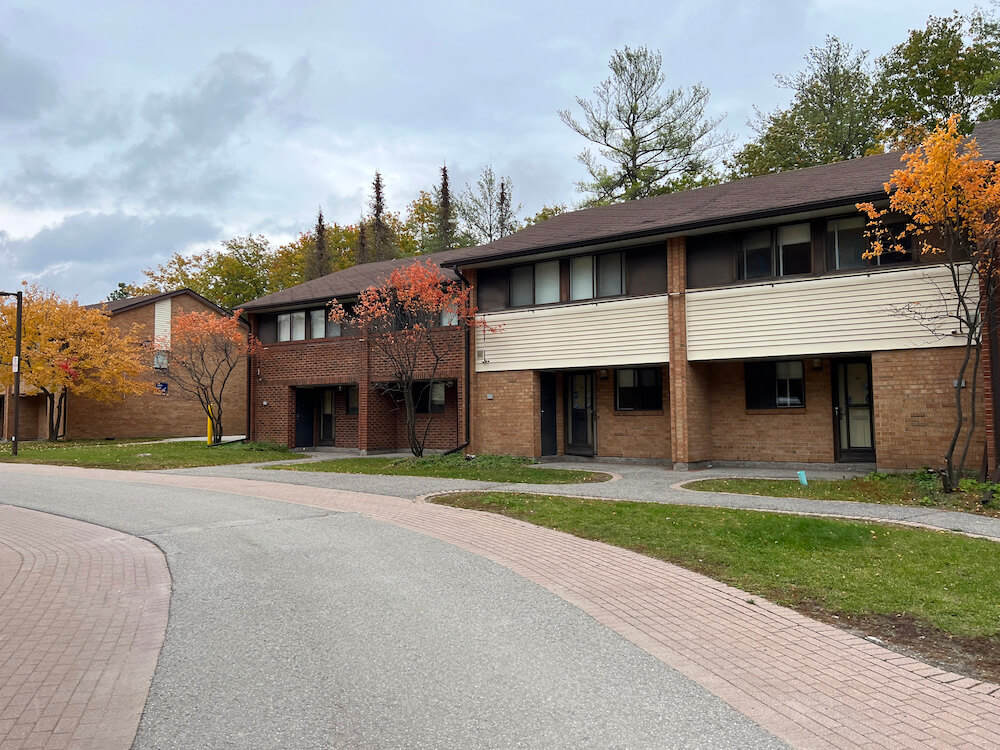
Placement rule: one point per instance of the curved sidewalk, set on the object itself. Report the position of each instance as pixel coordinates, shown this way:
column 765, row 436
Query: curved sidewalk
column 83, row 611
column 810, row 684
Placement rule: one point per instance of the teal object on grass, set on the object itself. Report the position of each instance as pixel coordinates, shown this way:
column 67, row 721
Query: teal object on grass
column 802, row 479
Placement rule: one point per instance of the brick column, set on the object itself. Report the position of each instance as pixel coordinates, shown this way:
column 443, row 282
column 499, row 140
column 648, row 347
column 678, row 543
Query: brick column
column 364, row 395
column 690, row 428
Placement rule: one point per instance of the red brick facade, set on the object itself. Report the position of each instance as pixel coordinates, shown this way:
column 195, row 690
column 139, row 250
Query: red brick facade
column 152, row 414
column 303, row 369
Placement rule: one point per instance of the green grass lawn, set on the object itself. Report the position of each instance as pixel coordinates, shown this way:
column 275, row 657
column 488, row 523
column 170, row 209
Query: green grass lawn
column 484, row 467
column 128, row 455
column 920, row 488
column 941, row 579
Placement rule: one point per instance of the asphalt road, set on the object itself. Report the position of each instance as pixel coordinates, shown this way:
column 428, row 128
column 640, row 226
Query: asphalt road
column 292, row 627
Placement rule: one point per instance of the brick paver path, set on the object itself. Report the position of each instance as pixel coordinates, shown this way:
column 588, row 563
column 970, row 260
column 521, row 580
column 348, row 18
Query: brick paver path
column 810, row 684
column 83, row 610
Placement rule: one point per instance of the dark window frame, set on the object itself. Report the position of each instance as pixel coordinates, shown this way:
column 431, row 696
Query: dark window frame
column 423, row 396
column 648, row 397
column 762, row 389
column 352, row 390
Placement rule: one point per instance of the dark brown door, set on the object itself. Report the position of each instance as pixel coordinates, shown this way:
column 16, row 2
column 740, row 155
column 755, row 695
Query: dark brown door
column 305, row 418
column 853, row 412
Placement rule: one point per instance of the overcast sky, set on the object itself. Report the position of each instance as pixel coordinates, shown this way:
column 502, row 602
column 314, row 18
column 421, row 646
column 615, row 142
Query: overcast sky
column 134, row 130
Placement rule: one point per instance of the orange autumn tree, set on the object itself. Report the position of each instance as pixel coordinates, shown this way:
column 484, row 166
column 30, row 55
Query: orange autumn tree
column 950, row 199
column 203, row 352
column 67, row 349
column 401, row 319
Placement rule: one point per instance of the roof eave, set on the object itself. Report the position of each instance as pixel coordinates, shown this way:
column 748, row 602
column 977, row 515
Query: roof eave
column 668, row 229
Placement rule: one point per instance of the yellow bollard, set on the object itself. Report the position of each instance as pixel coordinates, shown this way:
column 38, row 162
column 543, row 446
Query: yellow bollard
column 208, row 440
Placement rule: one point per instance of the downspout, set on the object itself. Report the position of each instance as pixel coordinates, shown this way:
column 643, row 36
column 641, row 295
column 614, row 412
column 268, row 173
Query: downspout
column 468, row 377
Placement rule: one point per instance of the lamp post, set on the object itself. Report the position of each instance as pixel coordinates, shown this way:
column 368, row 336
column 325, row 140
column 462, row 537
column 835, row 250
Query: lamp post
column 16, row 367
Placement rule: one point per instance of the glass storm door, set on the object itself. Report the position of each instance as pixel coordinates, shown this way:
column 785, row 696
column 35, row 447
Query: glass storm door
column 326, row 420
column 852, row 410
column 580, row 413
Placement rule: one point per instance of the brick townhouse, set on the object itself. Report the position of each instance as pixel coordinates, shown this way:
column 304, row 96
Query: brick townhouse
column 315, row 383
column 735, row 323
column 159, row 413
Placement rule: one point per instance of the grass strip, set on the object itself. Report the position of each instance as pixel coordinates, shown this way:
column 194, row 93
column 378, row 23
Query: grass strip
column 921, row 489
column 485, row 468
column 946, row 580
column 99, row 454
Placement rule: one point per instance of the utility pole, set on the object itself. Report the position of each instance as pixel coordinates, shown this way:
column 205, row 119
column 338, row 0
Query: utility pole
column 16, row 367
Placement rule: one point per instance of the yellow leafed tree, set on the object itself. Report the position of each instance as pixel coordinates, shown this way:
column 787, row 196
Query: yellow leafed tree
column 950, row 198
column 66, row 349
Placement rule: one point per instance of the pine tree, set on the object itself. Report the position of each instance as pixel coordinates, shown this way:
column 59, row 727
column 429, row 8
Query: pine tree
column 362, row 253
column 317, row 261
column 446, row 214
column 382, row 238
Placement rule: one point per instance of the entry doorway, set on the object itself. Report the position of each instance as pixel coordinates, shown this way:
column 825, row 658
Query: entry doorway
column 853, row 410
column 580, row 413
column 547, row 385
column 305, row 417
column 327, row 420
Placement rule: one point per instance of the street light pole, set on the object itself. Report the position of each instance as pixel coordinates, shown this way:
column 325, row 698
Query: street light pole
column 16, row 366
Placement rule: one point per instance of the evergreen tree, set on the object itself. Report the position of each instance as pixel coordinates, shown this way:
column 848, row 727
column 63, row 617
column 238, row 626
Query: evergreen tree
column 651, row 138
column 382, row 239
column 446, row 229
column 317, row 256
column 362, row 254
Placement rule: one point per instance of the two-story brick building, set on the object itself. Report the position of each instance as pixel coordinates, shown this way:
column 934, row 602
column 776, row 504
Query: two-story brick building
column 736, row 323
column 159, row 413
column 315, row 382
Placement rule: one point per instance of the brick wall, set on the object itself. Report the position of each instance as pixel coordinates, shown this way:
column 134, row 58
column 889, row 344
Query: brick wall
column 380, row 423
column 152, row 414
column 915, row 408
column 631, row 434
column 739, row 434
column 509, row 423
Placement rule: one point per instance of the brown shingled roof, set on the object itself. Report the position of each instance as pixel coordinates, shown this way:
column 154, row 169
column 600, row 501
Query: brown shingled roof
column 343, row 283
column 812, row 188
column 120, row 305
column 825, row 186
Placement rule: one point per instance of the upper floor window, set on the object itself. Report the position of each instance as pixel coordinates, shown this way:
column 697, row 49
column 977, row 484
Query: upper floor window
column 846, row 245
column 292, row 326
column 614, row 274
column 783, row 251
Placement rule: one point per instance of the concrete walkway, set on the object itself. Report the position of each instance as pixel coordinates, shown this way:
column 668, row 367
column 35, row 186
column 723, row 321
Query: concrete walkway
column 810, row 684
column 83, row 611
column 645, row 483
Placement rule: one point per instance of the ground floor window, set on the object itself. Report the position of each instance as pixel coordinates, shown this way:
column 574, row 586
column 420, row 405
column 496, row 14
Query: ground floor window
column 638, row 389
column 775, row 385
column 352, row 399
column 429, row 397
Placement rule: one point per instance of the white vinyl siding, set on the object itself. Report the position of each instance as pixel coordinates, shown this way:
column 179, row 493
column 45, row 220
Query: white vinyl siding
column 592, row 334
column 856, row 313
column 161, row 324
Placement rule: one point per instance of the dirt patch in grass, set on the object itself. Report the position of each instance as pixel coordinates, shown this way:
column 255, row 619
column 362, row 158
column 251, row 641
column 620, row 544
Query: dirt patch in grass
column 919, row 489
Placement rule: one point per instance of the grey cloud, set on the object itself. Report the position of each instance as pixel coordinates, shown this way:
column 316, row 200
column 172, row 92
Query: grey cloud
column 28, row 87
column 36, row 182
column 89, row 252
column 179, row 160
